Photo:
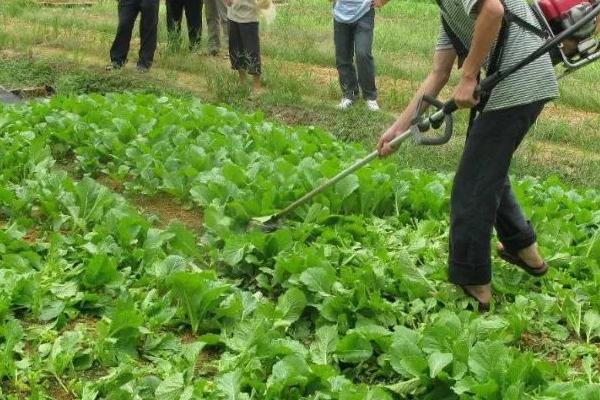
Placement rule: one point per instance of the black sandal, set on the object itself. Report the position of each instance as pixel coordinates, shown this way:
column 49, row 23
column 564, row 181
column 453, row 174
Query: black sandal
column 519, row 262
column 482, row 307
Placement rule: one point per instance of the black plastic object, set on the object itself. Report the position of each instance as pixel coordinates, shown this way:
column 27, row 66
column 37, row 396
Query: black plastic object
column 425, row 123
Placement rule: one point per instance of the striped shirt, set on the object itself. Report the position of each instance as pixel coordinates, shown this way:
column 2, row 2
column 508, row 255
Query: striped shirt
column 534, row 82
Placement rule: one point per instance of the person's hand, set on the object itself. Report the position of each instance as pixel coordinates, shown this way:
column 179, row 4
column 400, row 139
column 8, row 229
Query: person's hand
column 379, row 3
column 464, row 94
column 383, row 146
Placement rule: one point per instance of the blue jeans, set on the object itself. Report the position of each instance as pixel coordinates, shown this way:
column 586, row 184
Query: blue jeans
column 350, row 40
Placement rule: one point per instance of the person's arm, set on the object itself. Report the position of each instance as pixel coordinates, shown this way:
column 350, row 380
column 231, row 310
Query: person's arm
column 443, row 61
column 487, row 29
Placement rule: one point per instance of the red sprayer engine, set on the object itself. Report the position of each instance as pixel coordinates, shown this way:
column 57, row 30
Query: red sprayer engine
column 557, row 16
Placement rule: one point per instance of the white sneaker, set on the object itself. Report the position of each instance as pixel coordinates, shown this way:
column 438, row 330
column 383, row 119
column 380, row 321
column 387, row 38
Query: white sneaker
column 345, row 104
column 372, row 105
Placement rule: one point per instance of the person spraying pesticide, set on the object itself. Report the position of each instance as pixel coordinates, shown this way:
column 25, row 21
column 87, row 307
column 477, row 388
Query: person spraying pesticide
column 496, row 35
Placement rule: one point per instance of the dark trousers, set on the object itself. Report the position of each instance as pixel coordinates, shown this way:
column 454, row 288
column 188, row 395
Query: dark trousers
column 350, row 40
column 482, row 197
column 244, row 47
column 193, row 16
column 128, row 12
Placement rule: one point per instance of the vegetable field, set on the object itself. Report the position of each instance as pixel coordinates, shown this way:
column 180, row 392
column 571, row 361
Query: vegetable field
column 348, row 300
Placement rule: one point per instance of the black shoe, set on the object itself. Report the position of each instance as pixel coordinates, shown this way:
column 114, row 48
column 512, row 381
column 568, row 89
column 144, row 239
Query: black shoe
column 213, row 53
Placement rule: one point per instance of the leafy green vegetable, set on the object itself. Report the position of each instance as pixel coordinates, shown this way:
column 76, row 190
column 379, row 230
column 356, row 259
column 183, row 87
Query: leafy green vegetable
column 353, row 348
column 198, row 293
column 347, row 300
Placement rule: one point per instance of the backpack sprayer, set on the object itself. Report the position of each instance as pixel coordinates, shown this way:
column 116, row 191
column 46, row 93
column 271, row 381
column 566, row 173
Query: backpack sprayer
column 558, row 16
column 568, row 27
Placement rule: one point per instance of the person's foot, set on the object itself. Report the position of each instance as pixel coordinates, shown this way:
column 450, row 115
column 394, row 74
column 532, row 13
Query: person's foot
column 143, row 68
column 213, row 53
column 257, row 86
column 243, row 76
column 114, row 66
column 345, row 104
column 530, row 256
column 372, row 105
column 481, row 293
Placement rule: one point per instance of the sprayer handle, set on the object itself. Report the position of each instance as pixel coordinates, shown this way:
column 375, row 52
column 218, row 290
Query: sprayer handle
column 450, row 107
column 423, row 124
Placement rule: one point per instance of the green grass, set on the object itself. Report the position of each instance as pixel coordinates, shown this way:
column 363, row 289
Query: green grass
column 67, row 48
column 66, row 77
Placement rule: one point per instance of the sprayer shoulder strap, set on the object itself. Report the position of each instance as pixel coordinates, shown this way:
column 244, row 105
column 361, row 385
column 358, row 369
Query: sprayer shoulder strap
column 509, row 17
column 462, row 51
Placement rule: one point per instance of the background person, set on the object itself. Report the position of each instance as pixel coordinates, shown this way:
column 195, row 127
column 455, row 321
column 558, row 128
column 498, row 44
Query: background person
column 128, row 12
column 244, row 38
column 354, row 26
column 193, row 16
column 216, row 21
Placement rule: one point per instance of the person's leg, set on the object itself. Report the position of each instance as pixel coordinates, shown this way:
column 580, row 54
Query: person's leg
column 174, row 16
column 514, row 230
column 148, row 32
column 222, row 10
column 251, row 51
column 343, row 38
column 128, row 11
column 193, row 16
column 213, row 22
column 478, row 189
column 365, row 63
column 236, row 49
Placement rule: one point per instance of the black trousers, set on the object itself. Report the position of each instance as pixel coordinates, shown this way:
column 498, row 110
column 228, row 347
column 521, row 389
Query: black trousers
column 482, row 197
column 193, row 16
column 244, row 47
column 128, row 12
column 352, row 40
